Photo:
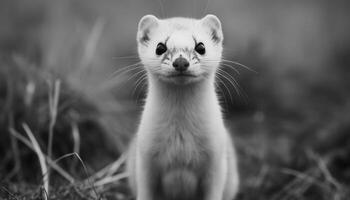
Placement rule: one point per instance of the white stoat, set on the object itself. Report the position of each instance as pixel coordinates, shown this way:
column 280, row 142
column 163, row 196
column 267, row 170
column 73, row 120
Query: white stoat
column 182, row 150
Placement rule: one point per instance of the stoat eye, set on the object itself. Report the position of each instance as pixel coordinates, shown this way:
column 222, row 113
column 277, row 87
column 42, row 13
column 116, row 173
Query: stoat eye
column 200, row 48
column 161, row 48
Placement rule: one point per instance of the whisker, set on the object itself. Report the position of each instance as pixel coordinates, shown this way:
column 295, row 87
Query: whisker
column 223, row 83
column 110, row 81
column 138, row 82
column 141, row 89
column 221, row 91
column 231, row 83
column 230, row 61
column 239, row 64
column 137, row 73
column 140, row 78
column 125, row 69
column 236, row 85
column 125, row 57
column 210, row 59
column 230, row 78
column 231, row 67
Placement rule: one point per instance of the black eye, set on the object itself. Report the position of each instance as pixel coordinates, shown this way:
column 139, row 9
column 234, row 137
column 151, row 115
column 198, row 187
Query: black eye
column 200, row 48
column 161, row 48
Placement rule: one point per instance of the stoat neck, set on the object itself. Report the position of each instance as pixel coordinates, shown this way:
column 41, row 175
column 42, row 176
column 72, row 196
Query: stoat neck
column 192, row 101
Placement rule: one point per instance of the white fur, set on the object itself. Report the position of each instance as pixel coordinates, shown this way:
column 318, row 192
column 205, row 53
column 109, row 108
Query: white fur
column 182, row 148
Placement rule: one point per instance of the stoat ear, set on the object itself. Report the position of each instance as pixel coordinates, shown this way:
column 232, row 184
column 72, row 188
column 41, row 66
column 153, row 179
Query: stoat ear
column 214, row 25
column 146, row 24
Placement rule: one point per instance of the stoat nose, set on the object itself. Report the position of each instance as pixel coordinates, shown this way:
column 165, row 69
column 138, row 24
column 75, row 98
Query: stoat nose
column 181, row 64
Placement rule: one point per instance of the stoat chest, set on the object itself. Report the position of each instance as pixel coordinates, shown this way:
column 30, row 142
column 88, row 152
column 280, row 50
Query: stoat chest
column 180, row 145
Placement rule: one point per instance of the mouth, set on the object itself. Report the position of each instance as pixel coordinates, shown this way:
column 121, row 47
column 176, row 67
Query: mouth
column 181, row 74
column 180, row 78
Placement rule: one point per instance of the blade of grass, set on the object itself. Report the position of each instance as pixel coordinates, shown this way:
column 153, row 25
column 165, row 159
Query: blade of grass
column 91, row 42
column 12, row 196
column 74, row 154
column 15, row 150
column 53, row 103
column 322, row 165
column 76, row 142
column 86, row 172
column 76, row 138
column 109, row 169
column 41, row 158
column 111, row 179
column 51, row 163
column 302, row 181
column 29, row 94
column 84, row 167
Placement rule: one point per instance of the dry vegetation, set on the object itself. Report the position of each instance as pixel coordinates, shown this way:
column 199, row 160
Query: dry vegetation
column 64, row 123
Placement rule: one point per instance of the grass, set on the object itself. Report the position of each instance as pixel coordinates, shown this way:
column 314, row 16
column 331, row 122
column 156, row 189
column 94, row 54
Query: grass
column 56, row 117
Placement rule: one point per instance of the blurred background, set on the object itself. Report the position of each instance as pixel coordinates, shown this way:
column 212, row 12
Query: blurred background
column 58, row 76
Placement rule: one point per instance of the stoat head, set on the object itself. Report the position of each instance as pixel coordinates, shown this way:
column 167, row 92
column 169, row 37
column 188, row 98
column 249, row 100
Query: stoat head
column 180, row 50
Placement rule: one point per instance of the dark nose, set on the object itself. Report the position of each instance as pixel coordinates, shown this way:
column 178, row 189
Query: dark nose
column 181, row 64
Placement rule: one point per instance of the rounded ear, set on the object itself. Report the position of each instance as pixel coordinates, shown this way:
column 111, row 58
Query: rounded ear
column 146, row 23
column 214, row 25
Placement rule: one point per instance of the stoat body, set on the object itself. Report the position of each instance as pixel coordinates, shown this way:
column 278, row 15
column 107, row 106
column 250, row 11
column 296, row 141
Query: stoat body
column 182, row 150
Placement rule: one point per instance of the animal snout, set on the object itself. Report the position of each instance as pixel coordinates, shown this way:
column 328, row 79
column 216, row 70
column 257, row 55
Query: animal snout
column 181, row 64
